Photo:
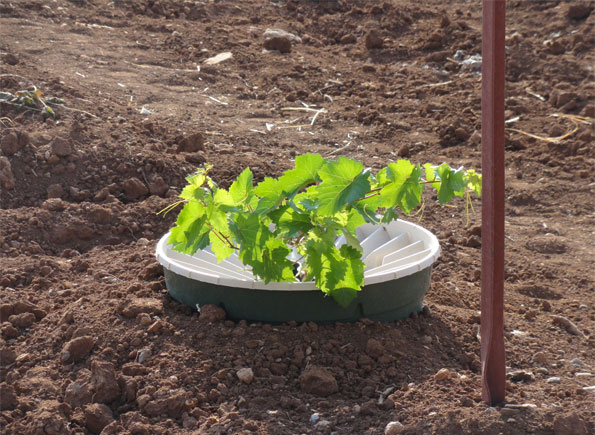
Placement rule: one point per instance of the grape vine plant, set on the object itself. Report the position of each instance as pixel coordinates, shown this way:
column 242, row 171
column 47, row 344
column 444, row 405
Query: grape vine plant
column 285, row 228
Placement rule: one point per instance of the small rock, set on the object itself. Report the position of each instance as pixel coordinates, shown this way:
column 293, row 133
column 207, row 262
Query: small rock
column 211, row 314
column 134, row 188
column 314, row 418
column 77, row 349
column 8, row 398
column 156, row 327
column 280, row 40
column 540, row 358
column 221, row 57
column 394, row 428
column 104, row 382
column 374, row 348
column 373, row 40
column 191, row 143
column 7, row 179
column 7, row 356
column 245, row 375
column 134, row 369
column 142, row 305
column 442, row 375
column 79, row 393
column 566, row 324
column 144, row 355
column 61, row 147
column 9, row 331
column 579, row 10
column 9, row 144
column 98, row 416
column 144, row 319
column 577, row 362
column 369, row 408
column 318, row 381
column 158, row 187
column 521, row 376
column 24, row 320
column 10, row 59
column 553, row 380
column 507, row 412
column 570, row 424
column 404, row 151
column 462, row 134
column 53, row 204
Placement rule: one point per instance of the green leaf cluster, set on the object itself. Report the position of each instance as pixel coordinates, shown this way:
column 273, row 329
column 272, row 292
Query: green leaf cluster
column 303, row 212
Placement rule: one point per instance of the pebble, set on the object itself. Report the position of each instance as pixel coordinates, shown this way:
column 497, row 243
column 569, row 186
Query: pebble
column 521, row 376
column 7, row 179
column 553, row 380
column 144, row 355
column 393, row 428
column 318, row 381
column 373, row 40
column 11, row 59
column 590, row 389
column 221, row 57
column 245, row 375
column 442, row 375
column 134, row 188
column 577, row 362
column 61, row 147
column 509, row 411
column 568, row 325
column 280, row 40
column 314, row 418
column 77, row 349
column 583, row 375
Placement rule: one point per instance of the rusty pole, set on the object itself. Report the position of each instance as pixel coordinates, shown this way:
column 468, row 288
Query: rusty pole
column 492, row 230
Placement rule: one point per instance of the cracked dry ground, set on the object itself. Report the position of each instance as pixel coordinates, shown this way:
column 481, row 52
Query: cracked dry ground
column 91, row 342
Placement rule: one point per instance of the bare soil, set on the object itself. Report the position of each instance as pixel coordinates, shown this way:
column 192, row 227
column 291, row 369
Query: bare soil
column 92, row 343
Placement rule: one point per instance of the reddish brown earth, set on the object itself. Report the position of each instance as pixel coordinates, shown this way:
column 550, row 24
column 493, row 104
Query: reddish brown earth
column 91, row 342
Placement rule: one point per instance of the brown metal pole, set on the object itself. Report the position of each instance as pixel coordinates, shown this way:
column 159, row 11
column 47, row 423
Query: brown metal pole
column 492, row 230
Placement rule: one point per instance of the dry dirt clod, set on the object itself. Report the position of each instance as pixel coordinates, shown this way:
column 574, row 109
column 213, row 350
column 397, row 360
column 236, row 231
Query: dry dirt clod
column 318, row 381
column 77, row 349
column 97, row 416
column 7, row 180
column 245, row 375
column 134, row 189
column 134, row 307
column 373, row 40
column 280, row 40
column 211, row 314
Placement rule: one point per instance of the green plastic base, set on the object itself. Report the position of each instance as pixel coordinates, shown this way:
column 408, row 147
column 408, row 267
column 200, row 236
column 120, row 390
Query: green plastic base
column 387, row 301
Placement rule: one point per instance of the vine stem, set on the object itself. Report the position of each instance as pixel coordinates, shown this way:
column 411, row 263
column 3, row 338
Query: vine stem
column 223, row 238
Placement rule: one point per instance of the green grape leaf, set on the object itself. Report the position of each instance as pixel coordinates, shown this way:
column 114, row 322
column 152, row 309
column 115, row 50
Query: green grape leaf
column 452, row 183
column 242, row 190
column 334, row 269
column 275, row 266
column 190, row 233
column 402, row 186
column 270, row 195
column 352, row 241
column 291, row 224
column 473, row 181
column 390, row 214
column 305, row 172
column 220, row 248
column 193, row 190
column 343, row 182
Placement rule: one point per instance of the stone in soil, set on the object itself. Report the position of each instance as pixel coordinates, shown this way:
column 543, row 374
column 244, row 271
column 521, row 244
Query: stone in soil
column 7, row 180
column 8, row 397
column 280, row 40
column 133, row 308
column 191, row 143
column 394, row 428
column 24, row 320
column 579, row 10
column 103, row 380
column 374, row 348
column 245, row 375
column 134, row 189
column 61, row 147
column 318, row 381
column 373, row 40
column 77, row 349
column 97, row 416
column 570, row 424
column 211, row 314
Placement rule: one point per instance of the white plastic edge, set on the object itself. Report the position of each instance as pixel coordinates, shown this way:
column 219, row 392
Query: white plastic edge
column 415, row 232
